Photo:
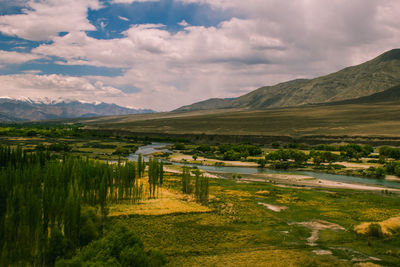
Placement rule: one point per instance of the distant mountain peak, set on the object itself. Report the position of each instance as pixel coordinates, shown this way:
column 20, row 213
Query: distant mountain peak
column 45, row 109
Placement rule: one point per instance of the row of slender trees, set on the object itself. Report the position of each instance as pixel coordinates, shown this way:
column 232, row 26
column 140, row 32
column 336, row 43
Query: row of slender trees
column 200, row 187
column 41, row 196
column 156, row 175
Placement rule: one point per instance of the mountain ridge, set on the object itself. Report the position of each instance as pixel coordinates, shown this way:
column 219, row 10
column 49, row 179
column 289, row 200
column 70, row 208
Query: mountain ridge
column 13, row 110
column 370, row 77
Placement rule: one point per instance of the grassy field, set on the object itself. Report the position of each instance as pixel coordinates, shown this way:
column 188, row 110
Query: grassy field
column 248, row 222
column 366, row 122
column 241, row 231
column 93, row 147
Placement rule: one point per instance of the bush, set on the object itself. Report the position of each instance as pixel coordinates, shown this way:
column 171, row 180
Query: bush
column 121, row 151
column 204, row 148
column 58, row 246
column 261, row 163
column 281, row 165
column 179, row 146
column 393, row 167
column 276, row 145
column 243, row 149
column 120, row 247
column 98, row 145
column 389, row 152
column 59, row 147
column 338, row 166
column 232, row 155
column 375, row 230
column 372, row 172
column 284, row 155
column 89, row 226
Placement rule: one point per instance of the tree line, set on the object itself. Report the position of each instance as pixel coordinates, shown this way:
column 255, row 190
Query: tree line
column 42, row 199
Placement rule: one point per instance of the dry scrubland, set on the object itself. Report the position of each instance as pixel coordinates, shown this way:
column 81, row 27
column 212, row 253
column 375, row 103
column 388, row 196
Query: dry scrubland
column 323, row 121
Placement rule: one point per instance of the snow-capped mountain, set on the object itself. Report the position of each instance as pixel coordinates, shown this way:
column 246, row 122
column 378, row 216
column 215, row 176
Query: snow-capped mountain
column 45, row 109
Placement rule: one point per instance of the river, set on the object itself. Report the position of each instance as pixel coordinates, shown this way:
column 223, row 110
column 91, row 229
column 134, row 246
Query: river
column 156, row 147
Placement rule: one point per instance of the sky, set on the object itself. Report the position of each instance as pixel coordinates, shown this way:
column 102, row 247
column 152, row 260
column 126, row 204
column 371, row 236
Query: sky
column 165, row 54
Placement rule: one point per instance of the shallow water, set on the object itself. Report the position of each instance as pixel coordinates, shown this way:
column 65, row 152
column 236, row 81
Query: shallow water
column 155, row 147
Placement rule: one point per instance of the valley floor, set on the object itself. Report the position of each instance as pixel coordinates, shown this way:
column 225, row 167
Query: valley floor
column 252, row 223
column 372, row 123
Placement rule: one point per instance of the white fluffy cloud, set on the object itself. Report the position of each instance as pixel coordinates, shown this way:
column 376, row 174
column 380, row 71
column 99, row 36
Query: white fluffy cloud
column 268, row 41
column 43, row 20
column 56, row 86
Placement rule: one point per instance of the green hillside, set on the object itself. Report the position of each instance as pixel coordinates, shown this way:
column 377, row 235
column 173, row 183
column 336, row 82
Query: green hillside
column 365, row 79
column 389, row 95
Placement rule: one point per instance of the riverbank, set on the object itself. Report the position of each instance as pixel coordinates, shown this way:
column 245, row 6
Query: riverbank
column 363, row 171
column 310, row 182
column 294, row 180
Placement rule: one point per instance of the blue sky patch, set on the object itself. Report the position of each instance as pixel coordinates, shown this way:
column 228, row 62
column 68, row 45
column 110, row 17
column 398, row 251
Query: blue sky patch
column 11, row 7
column 112, row 20
column 12, row 43
column 47, row 66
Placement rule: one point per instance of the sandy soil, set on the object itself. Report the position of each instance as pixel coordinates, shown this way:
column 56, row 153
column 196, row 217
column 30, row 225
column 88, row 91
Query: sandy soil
column 356, row 165
column 392, row 178
column 307, row 181
column 273, row 207
column 322, row 252
column 315, row 226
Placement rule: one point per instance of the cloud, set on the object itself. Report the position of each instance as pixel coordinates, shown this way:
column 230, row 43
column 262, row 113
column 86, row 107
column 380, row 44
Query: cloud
column 266, row 42
column 131, row 1
column 55, row 86
column 183, row 23
column 11, row 57
column 43, row 20
column 123, row 18
column 273, row 42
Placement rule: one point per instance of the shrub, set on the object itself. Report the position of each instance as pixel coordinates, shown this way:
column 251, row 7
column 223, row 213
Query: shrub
column 98, row 145
column 59, row 147
column 121, row 151
column 375, row 230
column 120, row 247
column 89, row 225
column 179, row 146
column 276, row 145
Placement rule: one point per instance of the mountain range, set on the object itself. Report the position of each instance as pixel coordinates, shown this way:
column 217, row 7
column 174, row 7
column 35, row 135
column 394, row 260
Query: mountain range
column 374, row 80
column 12, row 110
column 366, row 79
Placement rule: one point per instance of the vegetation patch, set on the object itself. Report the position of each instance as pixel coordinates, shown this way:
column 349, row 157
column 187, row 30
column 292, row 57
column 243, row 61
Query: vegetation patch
column 378, row 214
column 387, row 227
column 168, row 202
column 256, row 257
